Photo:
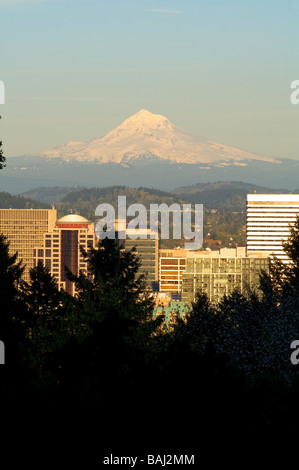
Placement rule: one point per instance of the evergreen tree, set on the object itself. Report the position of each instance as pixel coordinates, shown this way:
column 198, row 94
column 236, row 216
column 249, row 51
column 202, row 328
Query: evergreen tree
column 49, row 321
column 116, row 314
column 112, row 284
column 2, row 157
column 41, row 294
column 11, row 307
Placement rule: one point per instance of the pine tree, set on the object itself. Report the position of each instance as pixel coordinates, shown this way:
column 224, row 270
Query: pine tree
column 116, row 311
column 10, row 303
column 41, row 294
column 112, row 283
column 2, row 157
column 48, row 320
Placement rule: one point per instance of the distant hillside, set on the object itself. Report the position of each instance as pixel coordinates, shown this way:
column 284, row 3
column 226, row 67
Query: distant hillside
column 18, row 202
column 50, row 194
column 223, row 195
column 86, row 200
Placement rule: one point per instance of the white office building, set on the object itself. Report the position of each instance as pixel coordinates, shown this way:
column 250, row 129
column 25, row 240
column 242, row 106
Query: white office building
column 268, row 220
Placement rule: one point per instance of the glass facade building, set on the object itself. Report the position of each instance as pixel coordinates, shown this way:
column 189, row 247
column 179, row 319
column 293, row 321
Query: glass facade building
column 219, row 274
column 147, row 248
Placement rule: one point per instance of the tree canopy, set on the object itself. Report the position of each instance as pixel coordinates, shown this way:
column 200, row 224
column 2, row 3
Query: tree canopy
column 2, row 157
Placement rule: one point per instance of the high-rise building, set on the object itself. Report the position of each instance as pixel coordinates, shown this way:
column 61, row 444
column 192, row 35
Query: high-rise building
column 220, row 273
column 268, row 219
column 25, row 229
column 147, row 248
column 61, row 248
column 172, row 263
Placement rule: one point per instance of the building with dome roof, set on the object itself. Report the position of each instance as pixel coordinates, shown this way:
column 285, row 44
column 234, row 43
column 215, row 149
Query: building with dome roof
column 61, row 248
column 72, row 219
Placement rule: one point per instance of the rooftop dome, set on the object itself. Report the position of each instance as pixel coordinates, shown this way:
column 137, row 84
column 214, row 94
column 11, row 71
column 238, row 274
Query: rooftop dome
column 72, row 219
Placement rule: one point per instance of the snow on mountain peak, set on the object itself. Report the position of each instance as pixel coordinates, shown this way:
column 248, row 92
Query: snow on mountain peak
column 141, row 123
column 145, row 118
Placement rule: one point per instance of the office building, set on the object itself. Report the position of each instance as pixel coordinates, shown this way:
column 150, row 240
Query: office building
column 220, row 273
column 25, row 229
column 147, row 248
column 268, row 219
column 172, row 263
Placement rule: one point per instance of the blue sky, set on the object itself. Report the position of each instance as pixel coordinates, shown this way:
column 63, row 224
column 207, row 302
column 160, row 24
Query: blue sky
column 75, row 69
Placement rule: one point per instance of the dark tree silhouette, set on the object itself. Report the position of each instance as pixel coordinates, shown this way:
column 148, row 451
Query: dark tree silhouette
column 11, row 307
column 2, row 157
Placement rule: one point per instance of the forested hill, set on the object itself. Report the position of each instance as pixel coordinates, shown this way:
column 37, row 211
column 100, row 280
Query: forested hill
column 50, row 194
column 219, row 195
column 8, row 201
column 224, row 195
column 85, row 201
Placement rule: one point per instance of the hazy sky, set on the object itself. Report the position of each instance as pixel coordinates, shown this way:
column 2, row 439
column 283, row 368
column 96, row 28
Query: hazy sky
column 221, row 69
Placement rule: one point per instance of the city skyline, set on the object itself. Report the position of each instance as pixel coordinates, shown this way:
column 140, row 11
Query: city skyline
column 74, row 70
column 149, row 175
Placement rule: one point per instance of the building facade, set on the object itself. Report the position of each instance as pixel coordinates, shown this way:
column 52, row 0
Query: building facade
column 268, row 219
column 25, row 229
column 172, row 263
column 220, row 273
column 147, row 248
column 61, row 248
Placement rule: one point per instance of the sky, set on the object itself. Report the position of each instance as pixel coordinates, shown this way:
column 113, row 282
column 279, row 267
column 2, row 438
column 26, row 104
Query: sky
column 75, row 69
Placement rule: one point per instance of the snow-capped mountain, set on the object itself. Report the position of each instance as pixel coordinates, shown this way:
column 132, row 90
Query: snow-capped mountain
column 146, row 150
column 147, row 136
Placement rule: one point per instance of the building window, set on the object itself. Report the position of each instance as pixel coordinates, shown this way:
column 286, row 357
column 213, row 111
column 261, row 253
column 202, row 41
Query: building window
column 48, row 243
column 48, row 253
column 48, row 263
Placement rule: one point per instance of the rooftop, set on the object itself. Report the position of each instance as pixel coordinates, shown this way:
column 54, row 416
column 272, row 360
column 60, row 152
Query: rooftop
column 72, row 219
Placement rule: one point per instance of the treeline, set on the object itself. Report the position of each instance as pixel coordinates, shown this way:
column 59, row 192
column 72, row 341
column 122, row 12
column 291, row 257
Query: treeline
column 86, row 200
column 227, row 195
column 19, row 202
column 93, row 374
column 50, row 194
